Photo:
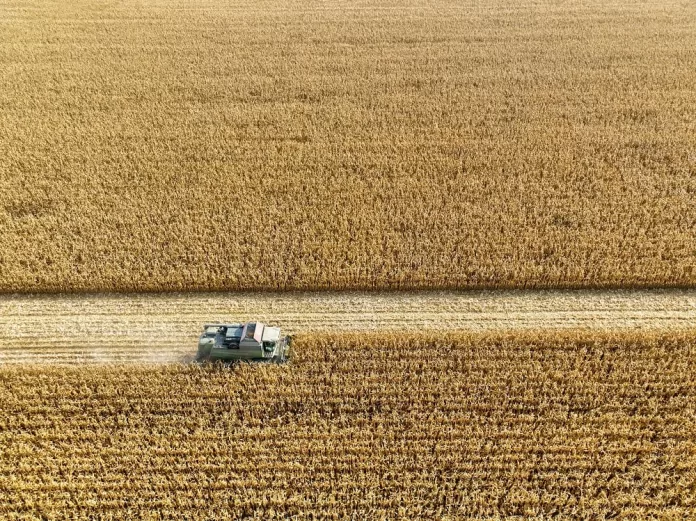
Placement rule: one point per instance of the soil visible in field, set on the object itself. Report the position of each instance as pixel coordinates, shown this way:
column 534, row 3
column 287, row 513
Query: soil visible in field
column 165, row 327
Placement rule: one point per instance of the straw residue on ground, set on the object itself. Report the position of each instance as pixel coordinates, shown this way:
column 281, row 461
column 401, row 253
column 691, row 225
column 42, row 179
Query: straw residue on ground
column 160, row 328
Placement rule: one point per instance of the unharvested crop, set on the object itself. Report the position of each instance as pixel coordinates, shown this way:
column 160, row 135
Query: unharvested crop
column 156, row 145
column 571, row 426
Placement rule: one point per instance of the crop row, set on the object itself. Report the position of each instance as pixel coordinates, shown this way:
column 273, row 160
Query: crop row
column 275, row 146
column 363, row 426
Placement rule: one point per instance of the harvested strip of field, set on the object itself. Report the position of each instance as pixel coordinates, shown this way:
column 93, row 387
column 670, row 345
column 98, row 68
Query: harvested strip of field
column 168, row 145
column 452, row 426
column 164, row 327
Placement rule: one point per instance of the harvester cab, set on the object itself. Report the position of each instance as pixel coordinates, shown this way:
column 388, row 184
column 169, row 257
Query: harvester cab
column 252, row 342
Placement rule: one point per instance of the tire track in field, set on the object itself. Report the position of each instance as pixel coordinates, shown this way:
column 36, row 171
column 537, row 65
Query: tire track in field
column 109, row 328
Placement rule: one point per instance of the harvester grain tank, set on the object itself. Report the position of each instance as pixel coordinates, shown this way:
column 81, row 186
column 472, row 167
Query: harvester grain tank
column 251, row 342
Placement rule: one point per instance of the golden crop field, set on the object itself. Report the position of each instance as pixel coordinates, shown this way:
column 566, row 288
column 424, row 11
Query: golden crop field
column 418, row 426
column 163, row 145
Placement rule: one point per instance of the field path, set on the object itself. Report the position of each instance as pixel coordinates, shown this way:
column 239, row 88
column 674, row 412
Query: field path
column 164, row 327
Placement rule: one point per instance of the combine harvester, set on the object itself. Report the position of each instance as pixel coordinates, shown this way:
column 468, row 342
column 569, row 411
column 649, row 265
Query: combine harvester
column 250, row 342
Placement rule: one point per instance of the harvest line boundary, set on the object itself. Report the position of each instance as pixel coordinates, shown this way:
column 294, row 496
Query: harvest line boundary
column 160, row 328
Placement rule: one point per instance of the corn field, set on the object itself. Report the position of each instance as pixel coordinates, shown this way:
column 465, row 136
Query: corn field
column 161, row 145
column 364, row 426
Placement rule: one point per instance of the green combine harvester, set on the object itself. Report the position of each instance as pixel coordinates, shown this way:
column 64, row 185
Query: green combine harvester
column 250, row 342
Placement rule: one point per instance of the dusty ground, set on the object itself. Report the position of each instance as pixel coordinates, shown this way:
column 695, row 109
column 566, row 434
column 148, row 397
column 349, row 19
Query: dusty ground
column 164, row 327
